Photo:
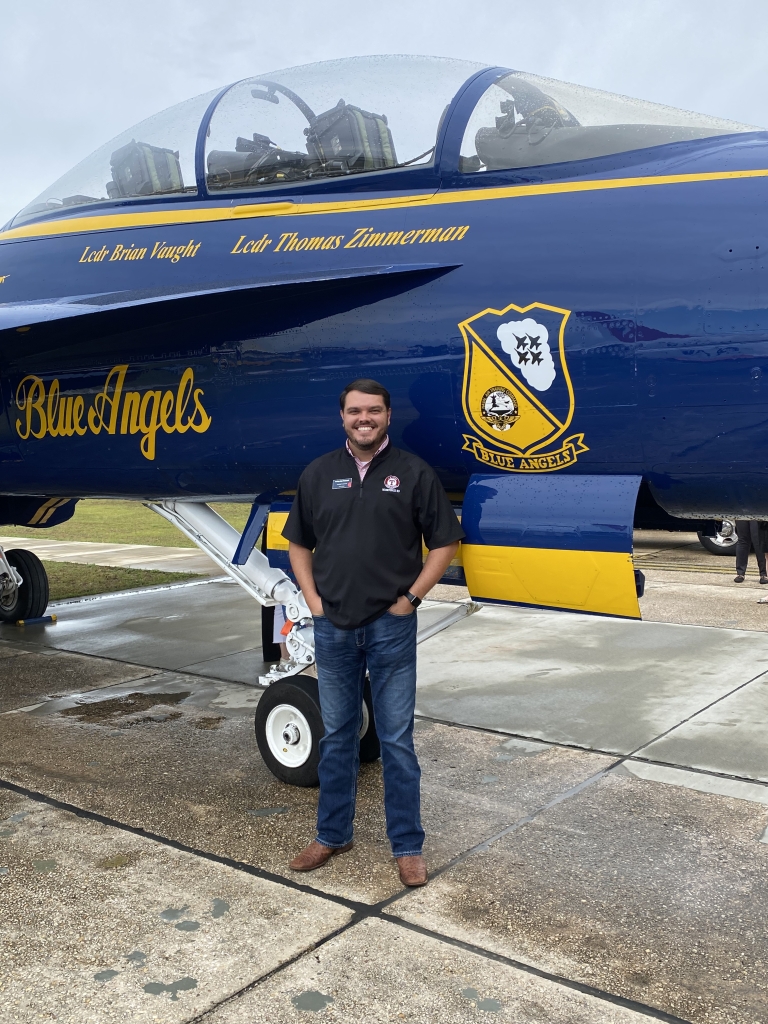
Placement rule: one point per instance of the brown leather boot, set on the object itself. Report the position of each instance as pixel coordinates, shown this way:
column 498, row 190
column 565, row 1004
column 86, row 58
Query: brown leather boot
column 315, row 855
column 413, row 870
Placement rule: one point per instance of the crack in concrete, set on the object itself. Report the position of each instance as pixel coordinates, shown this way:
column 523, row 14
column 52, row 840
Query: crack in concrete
column 701, row 711
column 486, row 844
column 633, row 756
column 363, row 911
column 234, row 996
column 606, row 997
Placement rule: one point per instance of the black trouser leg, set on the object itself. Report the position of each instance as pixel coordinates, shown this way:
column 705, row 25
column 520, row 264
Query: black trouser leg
column 757, row 536
column 742, row 546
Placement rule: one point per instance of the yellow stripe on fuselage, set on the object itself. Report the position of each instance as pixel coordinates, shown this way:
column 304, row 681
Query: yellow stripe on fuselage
column 209, row 214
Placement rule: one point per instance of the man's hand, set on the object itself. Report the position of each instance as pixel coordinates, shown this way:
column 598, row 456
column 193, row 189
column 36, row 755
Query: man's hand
column 301, row 563
column 315, row 605
column 402, row 606
column 436, row 563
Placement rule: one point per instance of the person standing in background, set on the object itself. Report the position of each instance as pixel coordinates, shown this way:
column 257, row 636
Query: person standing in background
column 750, row 533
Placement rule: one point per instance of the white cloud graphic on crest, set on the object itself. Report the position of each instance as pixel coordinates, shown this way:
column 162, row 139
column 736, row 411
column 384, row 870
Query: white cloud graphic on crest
column 527, row 344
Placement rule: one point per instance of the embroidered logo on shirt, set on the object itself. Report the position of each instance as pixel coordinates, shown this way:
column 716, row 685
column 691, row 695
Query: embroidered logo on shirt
column 392, row 484
column 340, row 485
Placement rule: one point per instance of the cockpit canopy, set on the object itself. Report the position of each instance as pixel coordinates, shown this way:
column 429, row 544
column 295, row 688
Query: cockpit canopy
column 358, row 115
column 331, row 119
column 524, row 120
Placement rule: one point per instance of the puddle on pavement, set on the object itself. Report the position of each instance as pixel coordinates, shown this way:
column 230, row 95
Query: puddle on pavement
column 188, row 926
column 7, row 830
column 157, row 988
column 173, row 914
column 489, row 1005
column 44, row 867
column 220, row 908
column 119, row 860
column 755, row 792
column 311, row 1000
column 128, row 704
column 514, row 748
column 137, row 957
column 267, row 812
column 209, row 723
column 105, row 975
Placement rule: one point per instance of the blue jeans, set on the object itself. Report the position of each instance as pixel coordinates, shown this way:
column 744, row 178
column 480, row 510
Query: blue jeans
column 387, row 648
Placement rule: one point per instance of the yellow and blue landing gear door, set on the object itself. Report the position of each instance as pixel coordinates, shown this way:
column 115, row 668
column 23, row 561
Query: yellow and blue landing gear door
column 553, row 543
column 276, row 546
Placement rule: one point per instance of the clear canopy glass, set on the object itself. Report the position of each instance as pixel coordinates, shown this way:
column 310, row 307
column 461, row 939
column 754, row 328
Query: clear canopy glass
column 330, row 119
column 155, row 157
column 525, row 121
column 364, row 114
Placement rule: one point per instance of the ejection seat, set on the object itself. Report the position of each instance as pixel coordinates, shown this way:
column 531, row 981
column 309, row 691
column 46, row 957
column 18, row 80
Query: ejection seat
column 139, row 169
column 344, row 140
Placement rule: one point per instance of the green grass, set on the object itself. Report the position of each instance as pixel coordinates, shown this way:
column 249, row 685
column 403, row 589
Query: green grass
column 123, row 522
column 115, row 522
column 69, row 579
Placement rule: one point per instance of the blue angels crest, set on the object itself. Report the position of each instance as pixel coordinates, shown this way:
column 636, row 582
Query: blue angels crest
column 517, row 392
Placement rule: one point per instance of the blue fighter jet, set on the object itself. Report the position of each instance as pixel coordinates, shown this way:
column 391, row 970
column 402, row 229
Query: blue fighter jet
column 564, row 290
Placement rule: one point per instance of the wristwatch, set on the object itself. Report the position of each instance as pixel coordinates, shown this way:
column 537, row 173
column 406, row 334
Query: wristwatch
column 415, row 601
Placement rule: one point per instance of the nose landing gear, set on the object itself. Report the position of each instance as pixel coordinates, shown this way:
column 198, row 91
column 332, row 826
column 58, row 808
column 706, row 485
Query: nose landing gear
column 24, row 590
column 289, row 728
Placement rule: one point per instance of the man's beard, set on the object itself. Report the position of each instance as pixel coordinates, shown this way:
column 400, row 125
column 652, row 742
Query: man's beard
column 366, row 446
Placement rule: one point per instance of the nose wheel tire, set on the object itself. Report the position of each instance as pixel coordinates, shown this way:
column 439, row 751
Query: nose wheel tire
column 370, row 748
column 30, row 600
column 289, row 728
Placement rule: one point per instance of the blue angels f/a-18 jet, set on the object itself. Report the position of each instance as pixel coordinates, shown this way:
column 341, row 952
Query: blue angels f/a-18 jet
column 564, row 290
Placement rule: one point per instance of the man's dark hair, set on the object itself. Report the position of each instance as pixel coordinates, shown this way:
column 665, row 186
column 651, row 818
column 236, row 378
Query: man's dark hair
column 368, row 387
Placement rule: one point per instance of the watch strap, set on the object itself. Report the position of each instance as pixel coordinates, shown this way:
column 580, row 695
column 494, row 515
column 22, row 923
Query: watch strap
column 415, row 601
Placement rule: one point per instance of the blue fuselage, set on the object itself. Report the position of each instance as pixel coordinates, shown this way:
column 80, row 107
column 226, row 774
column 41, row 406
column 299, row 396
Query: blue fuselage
column 199, row 348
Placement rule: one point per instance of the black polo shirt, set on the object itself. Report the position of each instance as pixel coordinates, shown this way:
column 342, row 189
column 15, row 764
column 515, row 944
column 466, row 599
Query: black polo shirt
column 367, row 536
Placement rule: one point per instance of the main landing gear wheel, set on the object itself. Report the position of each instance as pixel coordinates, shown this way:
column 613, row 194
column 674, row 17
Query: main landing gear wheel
column 30, row 600
column 724, row 542
column 289, row 728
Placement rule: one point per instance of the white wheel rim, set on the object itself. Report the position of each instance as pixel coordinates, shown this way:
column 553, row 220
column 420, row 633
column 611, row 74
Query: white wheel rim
column 289, row 736
column 725, row 542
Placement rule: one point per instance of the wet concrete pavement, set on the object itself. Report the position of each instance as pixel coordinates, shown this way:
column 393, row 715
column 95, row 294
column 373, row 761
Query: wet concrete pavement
column 594, row 795
column 686, row 584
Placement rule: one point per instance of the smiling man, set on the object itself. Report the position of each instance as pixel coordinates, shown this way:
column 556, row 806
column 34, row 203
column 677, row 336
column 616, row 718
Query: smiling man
column 355, row 536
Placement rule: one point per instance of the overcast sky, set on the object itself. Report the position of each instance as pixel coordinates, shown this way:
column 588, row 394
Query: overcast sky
column 75, row 73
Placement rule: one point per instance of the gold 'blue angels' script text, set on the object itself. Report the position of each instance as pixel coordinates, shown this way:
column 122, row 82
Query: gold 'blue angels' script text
column 47, row 412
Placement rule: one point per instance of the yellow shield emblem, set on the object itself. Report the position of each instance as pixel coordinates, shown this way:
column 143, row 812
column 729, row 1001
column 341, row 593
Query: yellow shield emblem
column 517, row 393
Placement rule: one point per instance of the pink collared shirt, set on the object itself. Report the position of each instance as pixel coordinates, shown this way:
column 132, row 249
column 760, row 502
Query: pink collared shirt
column 362, row 467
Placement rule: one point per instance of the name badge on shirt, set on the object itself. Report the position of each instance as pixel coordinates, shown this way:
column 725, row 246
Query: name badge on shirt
column 342, row 485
